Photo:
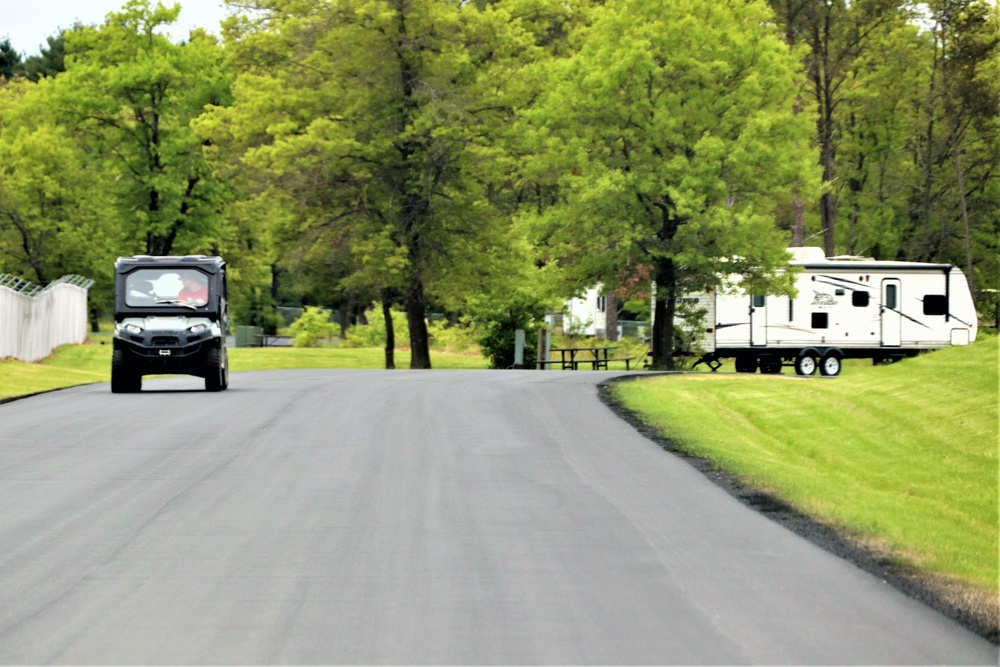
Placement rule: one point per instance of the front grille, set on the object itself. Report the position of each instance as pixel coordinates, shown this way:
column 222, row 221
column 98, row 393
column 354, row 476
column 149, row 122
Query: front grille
column 165, row 341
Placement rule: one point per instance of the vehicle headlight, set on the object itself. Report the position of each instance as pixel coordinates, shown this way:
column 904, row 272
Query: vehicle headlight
column 197, row 328
column 132, row 328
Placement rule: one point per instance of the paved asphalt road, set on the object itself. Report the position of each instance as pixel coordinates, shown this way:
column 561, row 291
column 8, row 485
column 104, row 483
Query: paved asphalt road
column 406, row 517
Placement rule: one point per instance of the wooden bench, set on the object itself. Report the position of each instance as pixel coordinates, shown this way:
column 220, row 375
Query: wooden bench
column 595, row 364
column 603, row 363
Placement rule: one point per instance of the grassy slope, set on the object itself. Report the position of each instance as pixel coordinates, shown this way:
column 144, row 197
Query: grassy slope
column 904, row 455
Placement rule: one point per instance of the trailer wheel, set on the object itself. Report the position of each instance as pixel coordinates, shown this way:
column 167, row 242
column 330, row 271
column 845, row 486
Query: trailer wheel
column 830, row 364
column 770, row 366
column 805, row 364
column 746, row 364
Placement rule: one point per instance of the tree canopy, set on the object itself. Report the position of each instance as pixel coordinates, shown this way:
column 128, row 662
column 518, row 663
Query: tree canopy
column 672, row 134
column 489, row 159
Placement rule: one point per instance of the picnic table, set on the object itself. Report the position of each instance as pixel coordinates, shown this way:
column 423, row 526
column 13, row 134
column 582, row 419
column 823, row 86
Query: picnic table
column 597, row 356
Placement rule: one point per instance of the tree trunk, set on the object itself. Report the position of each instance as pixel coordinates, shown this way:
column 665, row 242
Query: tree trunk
column 390, row 332
column 798, row 222
column 663, row 320
column 956, row 155
column 924, row 251
column 345, row 312
column 611, row 317
column 826, row 207
column 416, row 312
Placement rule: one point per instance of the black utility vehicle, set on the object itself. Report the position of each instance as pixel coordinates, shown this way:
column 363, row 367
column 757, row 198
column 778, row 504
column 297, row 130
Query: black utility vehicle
column 171, row 317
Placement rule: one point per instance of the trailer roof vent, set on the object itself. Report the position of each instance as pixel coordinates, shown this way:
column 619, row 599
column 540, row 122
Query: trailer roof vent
column 807, row 254
column 850, row 258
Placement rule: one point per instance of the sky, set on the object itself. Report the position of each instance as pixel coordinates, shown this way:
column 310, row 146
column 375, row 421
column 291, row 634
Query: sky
column 29, row 22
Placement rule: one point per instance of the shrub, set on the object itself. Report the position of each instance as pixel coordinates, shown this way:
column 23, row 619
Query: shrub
column 373, row 333
column 313, row 326
column 459, row 339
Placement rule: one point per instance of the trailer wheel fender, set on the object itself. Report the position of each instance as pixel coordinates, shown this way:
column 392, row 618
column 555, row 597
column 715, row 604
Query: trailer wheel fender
column 829, row 365
column 805, row 363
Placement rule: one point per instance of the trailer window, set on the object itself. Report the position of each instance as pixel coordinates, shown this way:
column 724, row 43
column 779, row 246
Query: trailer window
column 758, row 300
column 935, row 304
column 820, row 321
column 859, row 299
column 890, row 297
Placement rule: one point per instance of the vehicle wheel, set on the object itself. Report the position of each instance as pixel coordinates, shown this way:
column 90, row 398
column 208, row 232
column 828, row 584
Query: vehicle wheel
column 746, row 364
column 123, row 381
column 217, row 370
column 805, row 365
column 830, row 365
column 770, row 366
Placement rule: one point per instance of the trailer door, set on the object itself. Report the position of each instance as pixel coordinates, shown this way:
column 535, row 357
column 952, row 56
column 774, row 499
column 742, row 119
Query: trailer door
column 758, row 320
column 892, row 318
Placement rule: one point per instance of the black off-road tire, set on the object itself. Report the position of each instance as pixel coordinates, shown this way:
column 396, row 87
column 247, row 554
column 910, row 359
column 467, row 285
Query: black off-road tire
column 123, row 380
column 216, row 370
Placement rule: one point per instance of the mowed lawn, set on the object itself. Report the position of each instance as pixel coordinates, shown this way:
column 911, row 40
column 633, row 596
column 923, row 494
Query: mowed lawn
column 902, row 456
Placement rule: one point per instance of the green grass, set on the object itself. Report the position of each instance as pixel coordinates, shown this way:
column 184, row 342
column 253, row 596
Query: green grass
column 902, row 456
column 82, row 364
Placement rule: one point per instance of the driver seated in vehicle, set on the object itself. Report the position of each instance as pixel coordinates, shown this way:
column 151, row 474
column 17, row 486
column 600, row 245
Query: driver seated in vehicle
column 195, row 290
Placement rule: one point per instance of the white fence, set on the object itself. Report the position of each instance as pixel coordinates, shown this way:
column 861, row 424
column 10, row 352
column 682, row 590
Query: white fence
column 35, row 320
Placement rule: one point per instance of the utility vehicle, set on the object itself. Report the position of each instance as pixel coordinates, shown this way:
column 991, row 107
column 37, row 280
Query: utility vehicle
column 171, row 317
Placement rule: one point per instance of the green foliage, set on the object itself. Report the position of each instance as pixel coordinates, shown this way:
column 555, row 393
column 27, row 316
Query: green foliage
column 313, row 327
column 454, row 338
column 10, row 60
column 134, row 94
column 256, row 308
column 55, row 218
column 375, row 126
column 373, row 334
column 671, row 136
column 51, row 59
column 498, row 327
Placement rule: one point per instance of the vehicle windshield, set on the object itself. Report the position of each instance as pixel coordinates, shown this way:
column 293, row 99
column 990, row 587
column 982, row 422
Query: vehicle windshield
column 166, row 287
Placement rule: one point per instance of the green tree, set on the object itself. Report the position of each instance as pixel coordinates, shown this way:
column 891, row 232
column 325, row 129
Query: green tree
column 51, row 59
column 964, row 102
column 673, row 131
column 837, row 32
column 54, row 217
column 133, row 93
column 10, row 60
column 878, row 117
column 374, row 122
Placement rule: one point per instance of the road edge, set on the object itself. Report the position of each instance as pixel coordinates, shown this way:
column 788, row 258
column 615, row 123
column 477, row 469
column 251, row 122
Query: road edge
column 919, row 586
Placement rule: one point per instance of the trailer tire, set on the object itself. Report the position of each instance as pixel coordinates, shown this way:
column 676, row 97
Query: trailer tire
column 829, row 366
column 805, row 364
column 770, row 365
column 746, row 364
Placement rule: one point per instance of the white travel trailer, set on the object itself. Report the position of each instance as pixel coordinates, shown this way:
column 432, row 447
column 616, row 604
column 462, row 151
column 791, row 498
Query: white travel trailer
column 846, row 307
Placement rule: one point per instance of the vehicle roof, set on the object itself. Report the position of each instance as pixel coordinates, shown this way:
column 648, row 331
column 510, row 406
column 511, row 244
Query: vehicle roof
column 206, row 262
column 871, row 265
